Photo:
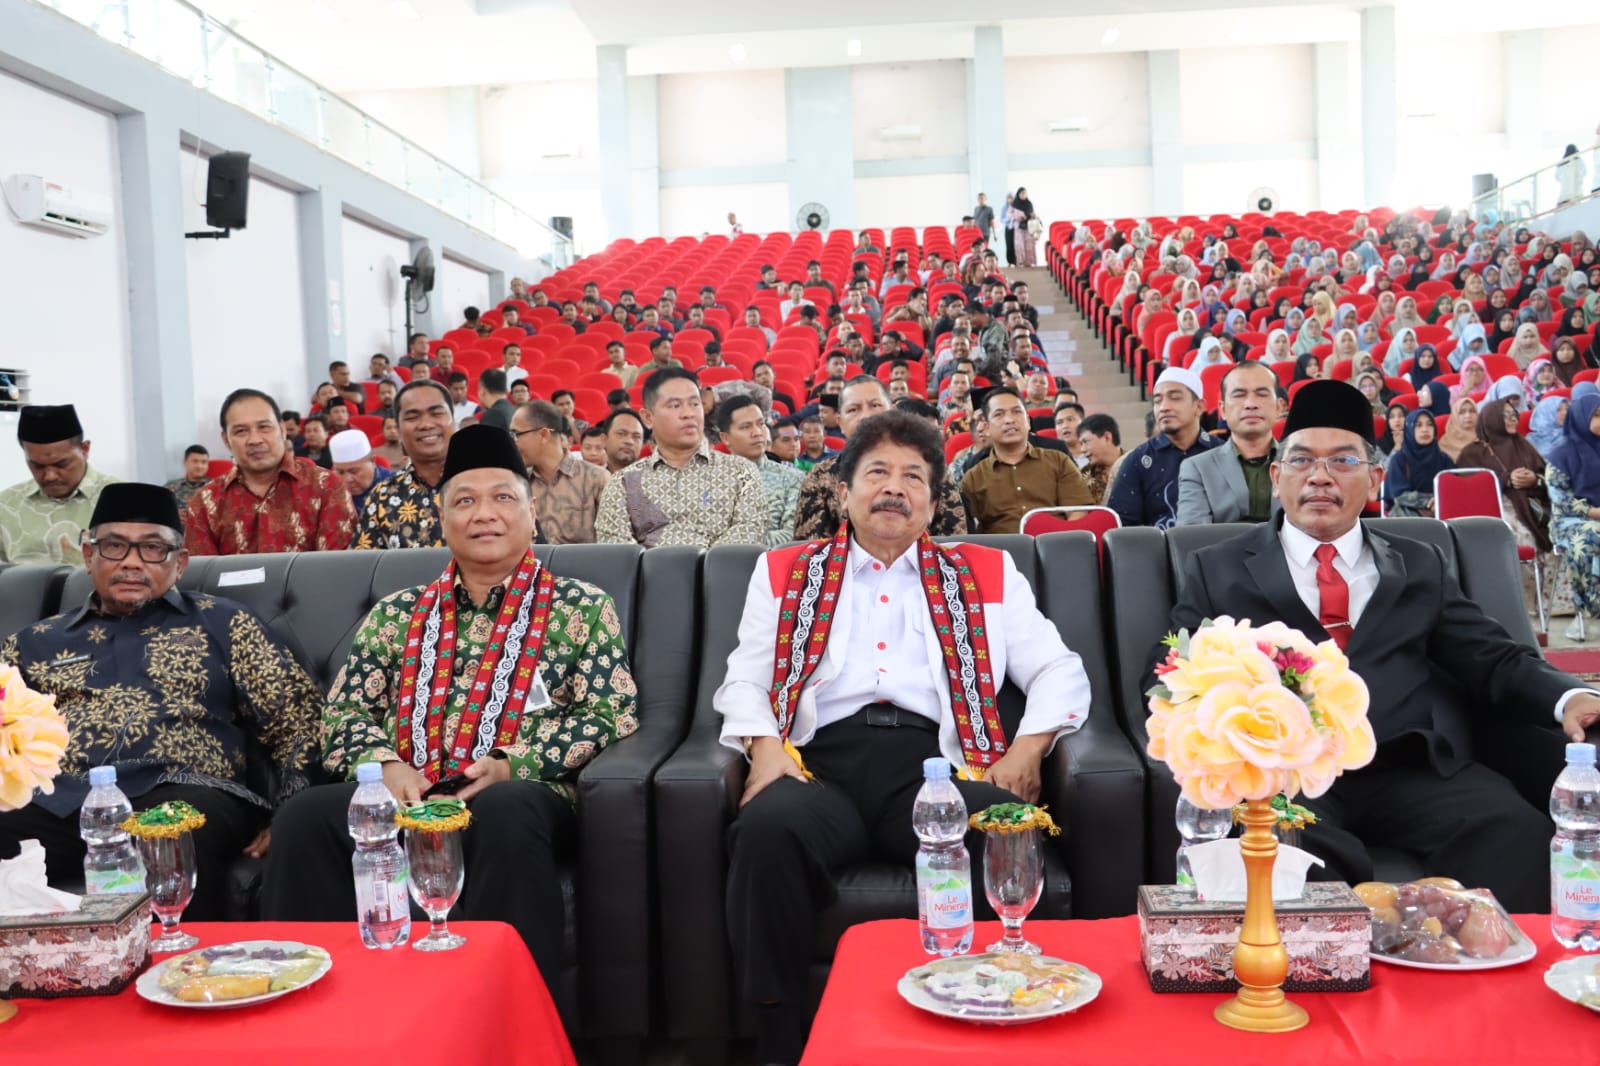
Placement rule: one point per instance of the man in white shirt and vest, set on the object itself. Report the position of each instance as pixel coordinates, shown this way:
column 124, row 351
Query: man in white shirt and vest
column 860, row 656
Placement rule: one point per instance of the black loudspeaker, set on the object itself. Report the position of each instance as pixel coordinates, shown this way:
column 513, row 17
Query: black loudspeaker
column 228, row 190
column 562, row 225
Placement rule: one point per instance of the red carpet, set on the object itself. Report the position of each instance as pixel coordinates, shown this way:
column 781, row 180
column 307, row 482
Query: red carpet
column 1583, row 663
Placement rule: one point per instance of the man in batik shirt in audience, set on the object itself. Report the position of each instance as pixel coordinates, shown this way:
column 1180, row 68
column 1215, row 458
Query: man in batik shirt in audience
column 171, row 688
column 403, row 512
column 270, row 501
column 520, row 750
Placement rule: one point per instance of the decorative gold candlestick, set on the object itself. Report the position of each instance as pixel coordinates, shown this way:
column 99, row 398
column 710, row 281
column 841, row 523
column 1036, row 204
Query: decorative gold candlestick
column 1260, row 961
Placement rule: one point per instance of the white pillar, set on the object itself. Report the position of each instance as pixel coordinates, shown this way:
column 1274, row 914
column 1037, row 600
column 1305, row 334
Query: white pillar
column 158, row 293
column 320, row 219
column 644, row 156
column 1380, row 105
column 1338, row 133
column 616, row 188
column 986, row 119
column 821, row 163
column 1166, row 134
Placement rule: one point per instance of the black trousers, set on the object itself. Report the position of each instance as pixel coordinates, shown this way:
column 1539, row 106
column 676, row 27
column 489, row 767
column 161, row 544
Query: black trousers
column 790, row 841
column 519, row 832
column 231, row 823
column 1011, row 246
column 1473, row 826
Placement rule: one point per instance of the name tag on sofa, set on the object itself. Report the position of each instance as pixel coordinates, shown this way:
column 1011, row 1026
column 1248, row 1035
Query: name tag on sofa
column 230, row 578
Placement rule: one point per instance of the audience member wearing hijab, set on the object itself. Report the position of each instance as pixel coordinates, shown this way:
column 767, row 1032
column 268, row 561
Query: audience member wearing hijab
column 1310, row 336
column 1391, row 442
column 1403, row 347
column 1306, row 368
column 1505, row 329
column 1518, row 466
column 1474, row 380
column 1544, row 429
column 1471, row 341
column 1367, row 336
column 1462, row 428
column 1573, row 478
column 1408, row 483
column 1527, row 346
column 1278, row 348
column 1540, row 379
column 1509, row 388
column 1572, row 323
column 1370, row 385
column 1424, row 367
column 1536, row 308
column 1568, row 361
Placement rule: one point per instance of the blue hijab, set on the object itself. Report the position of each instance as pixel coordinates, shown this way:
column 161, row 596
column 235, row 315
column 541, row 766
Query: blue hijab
column 1422, row 375
column 1544, row 432
column 1413, row 469
column 1578, row 455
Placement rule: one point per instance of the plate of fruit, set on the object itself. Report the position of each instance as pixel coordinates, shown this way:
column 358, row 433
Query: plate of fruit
column 999, row 989
column 1439, row 924
column 234, row 975
column 1576, row 980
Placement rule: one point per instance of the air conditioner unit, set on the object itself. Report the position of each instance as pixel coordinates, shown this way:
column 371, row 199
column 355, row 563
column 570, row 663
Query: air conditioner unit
column 1068, row 125
column 908, row 132
column 53, row 206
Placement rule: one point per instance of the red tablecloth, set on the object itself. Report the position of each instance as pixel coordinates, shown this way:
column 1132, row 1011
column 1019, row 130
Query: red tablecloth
column 1489, row 1018
column 483, row 1002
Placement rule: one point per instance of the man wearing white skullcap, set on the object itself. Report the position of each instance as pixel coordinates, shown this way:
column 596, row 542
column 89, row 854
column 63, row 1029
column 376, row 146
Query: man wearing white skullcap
column 351, row 452
column 1146, row 490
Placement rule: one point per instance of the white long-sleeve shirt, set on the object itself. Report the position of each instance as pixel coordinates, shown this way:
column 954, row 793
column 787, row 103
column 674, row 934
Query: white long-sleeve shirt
column 883, row 647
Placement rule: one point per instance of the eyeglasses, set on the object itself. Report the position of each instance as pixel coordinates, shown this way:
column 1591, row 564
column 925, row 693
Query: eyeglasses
column 115, row 549
column 1335, row 465
column 518, row 434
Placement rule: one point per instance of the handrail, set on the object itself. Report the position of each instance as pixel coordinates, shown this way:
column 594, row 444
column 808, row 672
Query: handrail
column 187, row 42
column 1536, row 193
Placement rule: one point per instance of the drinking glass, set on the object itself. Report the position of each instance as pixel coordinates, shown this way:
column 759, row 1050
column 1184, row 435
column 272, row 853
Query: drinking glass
column 170, row 876
column 1013, row 878
column 437, row 873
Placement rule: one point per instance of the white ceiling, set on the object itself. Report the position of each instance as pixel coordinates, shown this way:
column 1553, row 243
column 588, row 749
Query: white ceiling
column 366, row 45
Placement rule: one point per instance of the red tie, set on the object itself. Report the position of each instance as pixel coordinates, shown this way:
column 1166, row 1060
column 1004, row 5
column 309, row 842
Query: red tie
column 1335, row 595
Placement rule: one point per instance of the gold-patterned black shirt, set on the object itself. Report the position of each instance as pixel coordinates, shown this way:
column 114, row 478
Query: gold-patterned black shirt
column 171, row 694
column 402, row 512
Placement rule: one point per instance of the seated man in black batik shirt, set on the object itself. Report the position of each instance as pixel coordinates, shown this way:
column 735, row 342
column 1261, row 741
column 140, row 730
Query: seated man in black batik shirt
column 167, row 686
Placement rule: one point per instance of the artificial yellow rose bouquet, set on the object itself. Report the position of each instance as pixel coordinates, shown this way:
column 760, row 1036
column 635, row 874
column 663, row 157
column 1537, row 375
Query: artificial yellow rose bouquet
column 33, row 737
column 1242, row 712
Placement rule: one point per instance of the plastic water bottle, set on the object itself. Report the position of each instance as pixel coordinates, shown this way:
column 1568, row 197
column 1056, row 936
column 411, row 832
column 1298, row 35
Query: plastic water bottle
column 383, row 908
column 1575, row 852
column 1196, row 825
column 944, row 868
column 111, row 863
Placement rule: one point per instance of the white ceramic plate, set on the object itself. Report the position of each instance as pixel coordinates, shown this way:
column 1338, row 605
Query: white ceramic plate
column 1576, row 980
column 149, row 983
column 1521, row 950
column 914, row 989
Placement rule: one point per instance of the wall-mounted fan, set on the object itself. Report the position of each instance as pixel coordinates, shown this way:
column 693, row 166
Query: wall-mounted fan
column 1264, row 199
column 418, row 275
column 811, row 216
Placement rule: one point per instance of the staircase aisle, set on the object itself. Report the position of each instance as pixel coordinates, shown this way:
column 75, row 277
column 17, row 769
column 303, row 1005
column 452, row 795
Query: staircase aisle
column 1077, row 355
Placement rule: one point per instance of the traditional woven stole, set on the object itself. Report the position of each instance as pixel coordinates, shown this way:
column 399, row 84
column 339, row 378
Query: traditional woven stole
column 805, row 618
column 493, row 713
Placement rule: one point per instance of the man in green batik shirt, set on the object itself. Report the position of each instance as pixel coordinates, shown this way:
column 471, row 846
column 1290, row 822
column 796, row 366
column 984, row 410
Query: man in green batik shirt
column 42, row 521
column 532, row 735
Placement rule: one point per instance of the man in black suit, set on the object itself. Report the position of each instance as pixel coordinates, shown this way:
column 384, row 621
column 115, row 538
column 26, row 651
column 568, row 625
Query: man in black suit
column 1397, row 607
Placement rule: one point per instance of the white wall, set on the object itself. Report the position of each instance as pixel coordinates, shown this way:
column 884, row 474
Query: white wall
column 1090, row 192
column 932, row 95
column 458, row 285
column 1112, row 91
column 729, row 119
column 690, row 210
column 374, row 307
column 919, row 200
column 64, row 316
column 521, row 127
column 1248, row 95
column 246, row 306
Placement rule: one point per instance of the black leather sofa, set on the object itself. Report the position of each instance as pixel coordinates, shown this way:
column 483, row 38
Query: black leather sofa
column 1093, row 783
column 1141, row 570
column 646, row 942
column 314, row 602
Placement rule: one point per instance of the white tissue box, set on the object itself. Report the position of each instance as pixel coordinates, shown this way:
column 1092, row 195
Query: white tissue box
column 1186, row 944
column 96, row 950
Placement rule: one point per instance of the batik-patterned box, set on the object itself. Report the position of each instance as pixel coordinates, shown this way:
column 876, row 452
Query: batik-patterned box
column 1186, row 944
column 96, row 950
